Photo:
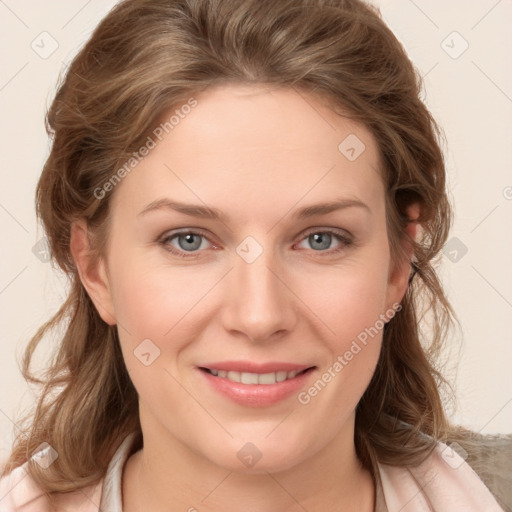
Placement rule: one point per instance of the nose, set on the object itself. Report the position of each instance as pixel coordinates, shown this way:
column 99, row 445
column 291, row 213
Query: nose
column 259, row 303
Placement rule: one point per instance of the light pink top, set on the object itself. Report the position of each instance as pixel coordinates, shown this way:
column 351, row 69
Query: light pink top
column 443, row 483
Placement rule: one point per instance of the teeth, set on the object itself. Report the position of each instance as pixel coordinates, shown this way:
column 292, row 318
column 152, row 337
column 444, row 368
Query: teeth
column 234, row 376
column 254, row 378
column 267, row 378
column 248, row 378
column 280, row 376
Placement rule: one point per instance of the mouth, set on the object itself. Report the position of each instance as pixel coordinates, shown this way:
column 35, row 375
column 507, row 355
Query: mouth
column 268, row 378
column 251, row 384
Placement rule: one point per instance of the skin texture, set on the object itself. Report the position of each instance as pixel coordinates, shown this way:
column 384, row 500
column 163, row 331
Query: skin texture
column 257, row 154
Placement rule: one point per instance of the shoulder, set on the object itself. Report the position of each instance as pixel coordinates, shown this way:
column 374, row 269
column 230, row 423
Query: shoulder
column 490, row 456
column 444, row 482
column 20, row 493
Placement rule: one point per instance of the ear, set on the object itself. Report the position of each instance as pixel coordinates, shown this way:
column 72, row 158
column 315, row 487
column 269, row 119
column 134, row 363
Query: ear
column 93, row 274
column 400, row 273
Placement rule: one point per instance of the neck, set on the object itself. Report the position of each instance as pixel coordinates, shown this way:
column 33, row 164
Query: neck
column 165, row 475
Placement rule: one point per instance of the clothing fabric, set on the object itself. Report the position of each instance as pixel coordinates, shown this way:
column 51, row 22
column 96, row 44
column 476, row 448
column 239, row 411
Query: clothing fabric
column 442, row 483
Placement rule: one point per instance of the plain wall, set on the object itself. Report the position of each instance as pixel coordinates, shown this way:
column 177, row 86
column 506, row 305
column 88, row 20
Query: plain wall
column 469, row 93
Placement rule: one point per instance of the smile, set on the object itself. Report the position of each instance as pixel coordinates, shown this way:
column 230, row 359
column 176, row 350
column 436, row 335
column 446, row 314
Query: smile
column 255, row 378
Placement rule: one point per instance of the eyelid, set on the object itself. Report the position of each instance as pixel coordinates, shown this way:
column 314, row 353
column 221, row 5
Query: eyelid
column 327, row 229
column 171, row 234
column 315, row 229
column 183, row 231
column 344, row 236
column 346, row 239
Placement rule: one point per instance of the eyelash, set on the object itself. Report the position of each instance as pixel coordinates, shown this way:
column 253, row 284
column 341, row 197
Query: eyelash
column 164, row 242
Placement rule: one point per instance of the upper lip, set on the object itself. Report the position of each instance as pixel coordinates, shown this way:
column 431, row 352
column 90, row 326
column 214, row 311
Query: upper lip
column 252, row 367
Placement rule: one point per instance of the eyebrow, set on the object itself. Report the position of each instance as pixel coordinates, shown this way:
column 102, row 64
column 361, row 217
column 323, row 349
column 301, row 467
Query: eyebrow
column 207, row 212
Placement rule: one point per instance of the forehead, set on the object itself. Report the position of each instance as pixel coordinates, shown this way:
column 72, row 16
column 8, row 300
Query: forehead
column 258, row 145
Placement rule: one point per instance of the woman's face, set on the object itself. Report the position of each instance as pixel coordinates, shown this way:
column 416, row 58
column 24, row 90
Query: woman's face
column 270, row 285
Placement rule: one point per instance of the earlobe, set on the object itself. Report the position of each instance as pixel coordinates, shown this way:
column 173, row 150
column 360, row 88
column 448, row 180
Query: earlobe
column 399, row 278
column 92, row 272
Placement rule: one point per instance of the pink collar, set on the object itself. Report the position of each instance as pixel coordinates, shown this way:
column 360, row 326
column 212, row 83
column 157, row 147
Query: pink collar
column 444, row 482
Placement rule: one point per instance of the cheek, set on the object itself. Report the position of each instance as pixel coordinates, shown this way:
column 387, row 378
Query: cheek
column 352, row 313
column 157, row 320
column 350, row 297
column 350, row 300
column 151, row 299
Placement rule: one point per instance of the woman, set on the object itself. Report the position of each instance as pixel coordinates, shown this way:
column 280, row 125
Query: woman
column 214, row 356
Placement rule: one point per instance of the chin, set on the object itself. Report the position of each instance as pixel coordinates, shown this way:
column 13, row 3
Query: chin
column 259, row 458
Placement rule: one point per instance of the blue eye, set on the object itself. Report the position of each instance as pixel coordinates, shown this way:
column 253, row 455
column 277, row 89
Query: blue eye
column 323, row 239
column 189, row 242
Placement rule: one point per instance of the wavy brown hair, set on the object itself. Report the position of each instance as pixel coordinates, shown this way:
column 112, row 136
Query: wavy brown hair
column 148, row 56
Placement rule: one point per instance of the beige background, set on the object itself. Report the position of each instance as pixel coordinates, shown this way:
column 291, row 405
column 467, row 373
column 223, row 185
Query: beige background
column 469, row 93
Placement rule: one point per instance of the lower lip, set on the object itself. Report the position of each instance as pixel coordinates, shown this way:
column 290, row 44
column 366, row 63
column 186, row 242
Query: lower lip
column 257, row 395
